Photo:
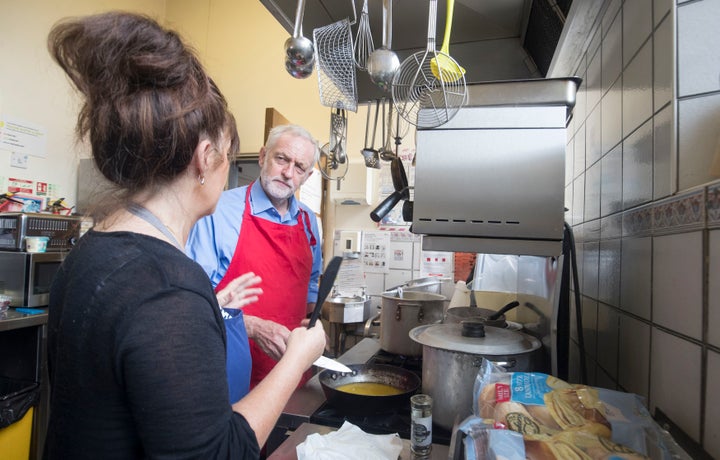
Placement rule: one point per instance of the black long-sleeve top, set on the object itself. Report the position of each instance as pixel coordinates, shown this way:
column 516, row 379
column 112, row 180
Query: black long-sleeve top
column 136, row 353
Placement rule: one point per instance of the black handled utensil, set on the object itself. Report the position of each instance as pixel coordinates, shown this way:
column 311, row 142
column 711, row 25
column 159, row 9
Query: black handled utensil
column 326, row 284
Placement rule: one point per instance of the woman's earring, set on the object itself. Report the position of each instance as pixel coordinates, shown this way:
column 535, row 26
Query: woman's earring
column 201, row 179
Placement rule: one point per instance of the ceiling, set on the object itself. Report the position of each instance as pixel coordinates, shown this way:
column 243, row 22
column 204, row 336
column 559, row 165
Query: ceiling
column 473, row 20
column 487, row 35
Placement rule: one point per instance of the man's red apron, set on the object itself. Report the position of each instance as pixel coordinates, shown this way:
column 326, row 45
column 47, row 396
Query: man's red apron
column 281, row 256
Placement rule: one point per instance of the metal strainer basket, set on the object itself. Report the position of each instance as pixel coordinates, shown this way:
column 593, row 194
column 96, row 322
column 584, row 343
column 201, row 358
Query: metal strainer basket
column 335, row 63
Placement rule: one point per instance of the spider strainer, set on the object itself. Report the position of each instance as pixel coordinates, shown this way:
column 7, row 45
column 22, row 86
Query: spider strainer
column 420, row 97
column 335, row 63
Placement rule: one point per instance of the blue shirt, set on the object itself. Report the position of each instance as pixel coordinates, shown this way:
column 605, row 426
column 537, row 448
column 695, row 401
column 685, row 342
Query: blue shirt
column 213, row 239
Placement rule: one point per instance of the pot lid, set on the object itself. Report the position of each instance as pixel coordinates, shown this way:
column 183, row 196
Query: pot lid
column 497, row 341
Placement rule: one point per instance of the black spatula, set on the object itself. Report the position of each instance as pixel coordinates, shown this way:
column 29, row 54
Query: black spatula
column 326, row 284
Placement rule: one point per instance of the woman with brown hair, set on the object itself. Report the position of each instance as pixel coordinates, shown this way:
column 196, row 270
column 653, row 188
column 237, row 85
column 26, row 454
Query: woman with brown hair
column 136, row 342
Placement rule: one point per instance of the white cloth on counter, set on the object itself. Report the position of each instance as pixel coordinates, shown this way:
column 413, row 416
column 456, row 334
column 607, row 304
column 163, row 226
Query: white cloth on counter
column 350, row 443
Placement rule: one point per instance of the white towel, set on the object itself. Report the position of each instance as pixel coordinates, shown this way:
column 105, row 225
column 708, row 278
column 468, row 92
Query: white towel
column 350, row 443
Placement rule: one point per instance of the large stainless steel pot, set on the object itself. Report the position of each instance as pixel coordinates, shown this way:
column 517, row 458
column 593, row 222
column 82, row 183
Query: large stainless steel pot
column 357, row 404
column 401, row 312
column 346, row 309
column 432, row 284
column 452, row 358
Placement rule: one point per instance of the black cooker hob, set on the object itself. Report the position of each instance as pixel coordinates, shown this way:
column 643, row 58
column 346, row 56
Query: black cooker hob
column 392, row 421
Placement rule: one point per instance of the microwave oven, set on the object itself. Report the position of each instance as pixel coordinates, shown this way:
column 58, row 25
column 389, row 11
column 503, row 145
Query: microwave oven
column 26, row 277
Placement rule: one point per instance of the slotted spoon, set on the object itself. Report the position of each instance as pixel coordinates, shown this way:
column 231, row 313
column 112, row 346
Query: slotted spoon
column 440, row 65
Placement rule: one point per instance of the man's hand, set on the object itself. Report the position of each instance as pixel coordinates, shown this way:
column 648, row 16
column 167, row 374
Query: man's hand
column 269, row 335
column 238, row 293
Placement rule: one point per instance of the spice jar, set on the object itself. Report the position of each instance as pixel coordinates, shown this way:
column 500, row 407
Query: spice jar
column 421, row 429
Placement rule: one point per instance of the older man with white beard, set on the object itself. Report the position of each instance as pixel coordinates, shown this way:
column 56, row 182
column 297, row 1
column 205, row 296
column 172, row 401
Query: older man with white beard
column 267, row 243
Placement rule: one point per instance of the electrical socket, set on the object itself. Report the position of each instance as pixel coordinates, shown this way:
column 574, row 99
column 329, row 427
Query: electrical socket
column 19, row 160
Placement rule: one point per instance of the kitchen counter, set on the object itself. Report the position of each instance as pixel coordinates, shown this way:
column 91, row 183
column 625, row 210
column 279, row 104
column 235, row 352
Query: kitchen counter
column 13, row 319
column 287, row 450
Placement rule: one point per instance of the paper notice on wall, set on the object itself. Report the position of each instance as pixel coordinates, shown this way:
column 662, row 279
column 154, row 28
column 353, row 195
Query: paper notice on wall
column 436, row 263
column 16, row 185
column 376, row 252
column 350, row 280
column 22, row 137
column 311, row 191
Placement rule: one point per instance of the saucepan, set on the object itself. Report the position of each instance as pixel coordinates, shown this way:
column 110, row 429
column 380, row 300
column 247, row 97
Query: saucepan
column 366, row 390
column 487, row 316
column 402, row 190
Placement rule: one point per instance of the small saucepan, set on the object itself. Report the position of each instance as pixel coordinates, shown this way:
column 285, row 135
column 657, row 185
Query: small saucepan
column 404, row 382
column 489, row 317
column 402, row 191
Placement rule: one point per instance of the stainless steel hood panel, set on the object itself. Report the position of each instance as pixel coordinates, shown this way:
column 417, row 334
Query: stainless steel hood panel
column 497, row 181
column 492, row 178
column 543, row 92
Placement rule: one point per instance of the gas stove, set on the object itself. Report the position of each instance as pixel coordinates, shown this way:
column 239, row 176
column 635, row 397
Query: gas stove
column 395, row 420
column 308, row 403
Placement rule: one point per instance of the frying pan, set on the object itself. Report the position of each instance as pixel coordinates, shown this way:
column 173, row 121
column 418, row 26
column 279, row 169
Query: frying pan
column 355, row 404
column 402, row 191
column 397, row 171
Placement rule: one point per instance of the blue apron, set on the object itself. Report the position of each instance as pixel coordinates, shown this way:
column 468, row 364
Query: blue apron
column 239, row 361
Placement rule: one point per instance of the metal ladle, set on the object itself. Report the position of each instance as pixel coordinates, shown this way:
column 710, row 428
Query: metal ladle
column 300, row 50
column 383, row 62
column 299, row 71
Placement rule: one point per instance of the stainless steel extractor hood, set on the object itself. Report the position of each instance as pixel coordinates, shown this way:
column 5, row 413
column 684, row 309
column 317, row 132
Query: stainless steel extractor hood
column 491, row 39
column 491, row 180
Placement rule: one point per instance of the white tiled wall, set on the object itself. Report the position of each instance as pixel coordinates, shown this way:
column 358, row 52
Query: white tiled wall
column 646, row 210
column 714, row 291
column 634, row 368
column 712, row 404
column 636, row 276
column 677, row 283
column 675, row 380
column 698, row 42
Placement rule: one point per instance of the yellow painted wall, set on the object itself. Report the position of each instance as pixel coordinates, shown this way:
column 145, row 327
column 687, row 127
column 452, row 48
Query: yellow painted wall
column 241, row 45
column 34, row 89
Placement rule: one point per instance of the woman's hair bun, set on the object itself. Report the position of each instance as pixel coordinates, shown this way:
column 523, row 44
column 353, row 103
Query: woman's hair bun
column 148, row 100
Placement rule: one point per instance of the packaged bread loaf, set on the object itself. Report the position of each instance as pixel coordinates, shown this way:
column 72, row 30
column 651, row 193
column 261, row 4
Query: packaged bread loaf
column 539, row 405
column 577, row 445
column 554, row 420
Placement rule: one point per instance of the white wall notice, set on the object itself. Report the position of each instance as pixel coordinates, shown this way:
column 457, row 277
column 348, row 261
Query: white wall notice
column 22, row 137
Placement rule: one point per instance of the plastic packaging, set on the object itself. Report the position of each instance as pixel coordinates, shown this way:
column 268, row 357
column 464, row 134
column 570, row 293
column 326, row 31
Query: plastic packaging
column 16, row 398
column 556, row 419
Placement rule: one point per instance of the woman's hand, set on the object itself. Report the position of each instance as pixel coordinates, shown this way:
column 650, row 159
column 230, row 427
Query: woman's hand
column 304, row 323
column 238, row 293
column 304, row 345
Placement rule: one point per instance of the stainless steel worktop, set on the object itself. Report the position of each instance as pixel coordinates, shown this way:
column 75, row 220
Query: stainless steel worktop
column 12, row 319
